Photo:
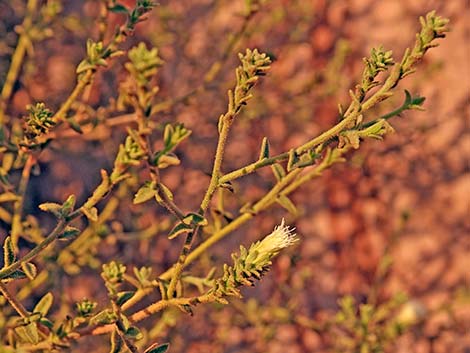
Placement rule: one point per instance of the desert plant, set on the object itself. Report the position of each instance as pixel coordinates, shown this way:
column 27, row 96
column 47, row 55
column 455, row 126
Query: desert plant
column 25, row 140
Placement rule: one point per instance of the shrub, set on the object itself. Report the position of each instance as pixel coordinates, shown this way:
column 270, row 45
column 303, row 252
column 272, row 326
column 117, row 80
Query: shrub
column 32, row 256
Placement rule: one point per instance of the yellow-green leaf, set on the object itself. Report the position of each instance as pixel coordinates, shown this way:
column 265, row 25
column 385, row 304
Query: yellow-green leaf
column 145, row 193
column 28, row 333
column 155, row 348
column 180, row 228
column 278, row 171
column 8, row 252
column 44, row 304
column 285, row 202
column 29, row 270
column 264, row 153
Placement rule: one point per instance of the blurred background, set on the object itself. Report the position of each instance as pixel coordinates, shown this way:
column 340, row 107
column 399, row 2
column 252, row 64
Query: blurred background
column 393, row 219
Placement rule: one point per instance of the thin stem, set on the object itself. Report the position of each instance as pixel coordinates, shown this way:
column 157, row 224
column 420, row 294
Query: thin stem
column 164, row 200
column 20, row 309
column 214, row 182
column 143, row 314
column 140, row 294
column 17, row 58
column 83, row 81
column 226, row 121
column 6, row 271
column 16, row 226
column 250, row 168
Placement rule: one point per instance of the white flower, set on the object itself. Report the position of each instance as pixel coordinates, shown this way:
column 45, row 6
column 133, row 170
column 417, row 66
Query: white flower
column 281, row 237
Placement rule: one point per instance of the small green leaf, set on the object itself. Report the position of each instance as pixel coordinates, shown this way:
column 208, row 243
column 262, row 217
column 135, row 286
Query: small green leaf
column 68, row 205
column 103, row 317
column 29, row 270
column 44, row 304
column 75, row 125
column 285, row 202
column 69, row 233
column 167, row 160
column 52, row 207
column 293, row 159
column 118, row 8
column 28, row 333
column 143, row 275
column 116, row 343
column 194, row 219
column 85, row 307
column 180, row 228
column 7, row 163
column 134, row 333
column 278, row 171
column 264, row 153
column 145, row 193
column 407, row 98
column 8, row 252
column 123, row 297
column 228, row 185
column 84, row 66
column 46, row 322
column 167, row 135
column 155, row 348
column 166, row 191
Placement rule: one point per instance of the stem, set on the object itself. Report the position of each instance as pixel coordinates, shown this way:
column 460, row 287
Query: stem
column 6, row 271
column 250, row 168
column 83, row 81
column 20, row 309
column 16, row 227
column 17, row 58
column 143, row 314
column 165, row 201
column 214, row 182
column 137, row 297
column 226, row 120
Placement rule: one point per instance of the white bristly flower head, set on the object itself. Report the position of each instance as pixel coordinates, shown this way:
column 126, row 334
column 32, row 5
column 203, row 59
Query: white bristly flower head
column 282, row 237
column 250, row 264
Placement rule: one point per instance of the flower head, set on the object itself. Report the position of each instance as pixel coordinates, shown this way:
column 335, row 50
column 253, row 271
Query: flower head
column 281, row 237
column 251, row 264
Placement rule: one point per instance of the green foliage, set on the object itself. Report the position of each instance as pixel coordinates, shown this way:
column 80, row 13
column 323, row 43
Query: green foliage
column 95, row 57
column 39, row 121
column 85, row 307
column 366, row 328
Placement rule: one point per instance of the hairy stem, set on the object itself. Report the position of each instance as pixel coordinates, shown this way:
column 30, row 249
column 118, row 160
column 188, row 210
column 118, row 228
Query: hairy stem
column 16, row 227
column 226, row 120
column 20, row 309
